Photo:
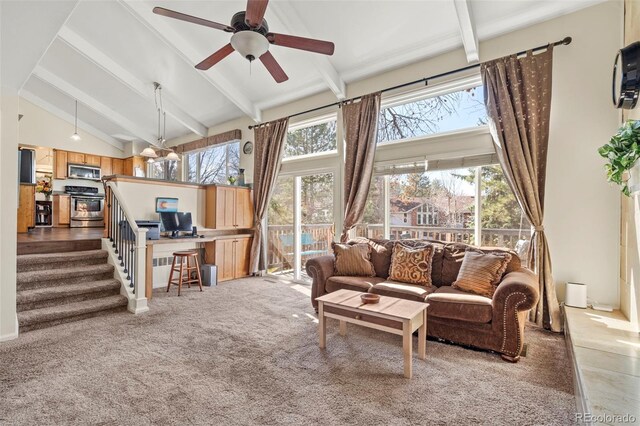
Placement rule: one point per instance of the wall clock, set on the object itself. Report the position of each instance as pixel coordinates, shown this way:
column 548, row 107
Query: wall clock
column 626, row 77
column 247, row 148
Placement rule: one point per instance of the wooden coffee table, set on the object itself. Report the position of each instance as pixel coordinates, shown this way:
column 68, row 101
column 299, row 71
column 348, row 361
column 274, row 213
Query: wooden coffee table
column 393, row 315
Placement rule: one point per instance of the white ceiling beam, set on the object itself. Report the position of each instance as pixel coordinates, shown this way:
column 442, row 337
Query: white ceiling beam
column 160, row 26
column 467, row 30
column 38, row 101
column 82, row 97
column 284, row 19
column 95, row 55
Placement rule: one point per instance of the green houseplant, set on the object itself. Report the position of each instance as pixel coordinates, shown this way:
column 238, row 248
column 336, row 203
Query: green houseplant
column 622, row 152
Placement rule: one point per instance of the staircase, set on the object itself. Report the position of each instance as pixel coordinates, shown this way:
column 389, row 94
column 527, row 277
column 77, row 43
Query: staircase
column 54, row 288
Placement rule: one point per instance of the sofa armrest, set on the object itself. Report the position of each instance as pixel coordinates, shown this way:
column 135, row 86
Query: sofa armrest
column 319, row 269
column 516, row 294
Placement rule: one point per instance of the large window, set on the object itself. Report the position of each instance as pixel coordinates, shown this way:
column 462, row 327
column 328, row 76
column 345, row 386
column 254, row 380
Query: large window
column 214, row 164
column 442, row 205
column 317, row 137
column 457, row 110
column 164, row 169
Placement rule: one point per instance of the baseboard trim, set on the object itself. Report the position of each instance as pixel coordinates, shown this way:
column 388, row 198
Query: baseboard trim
column 10, row 336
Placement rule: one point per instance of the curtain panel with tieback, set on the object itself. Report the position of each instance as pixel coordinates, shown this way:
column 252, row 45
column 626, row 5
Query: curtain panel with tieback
column 360, row 122
column 269, row 143
column 517, row 95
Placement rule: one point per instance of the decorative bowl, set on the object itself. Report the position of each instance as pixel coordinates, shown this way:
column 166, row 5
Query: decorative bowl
column 370, row 298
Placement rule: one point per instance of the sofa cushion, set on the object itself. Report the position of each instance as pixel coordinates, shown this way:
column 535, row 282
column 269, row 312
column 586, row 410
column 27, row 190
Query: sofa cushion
column 402, row 290
column 353, row 260
column 351, row 283
column 411, row 265
column 481, row 273
column 447, row 302
column 380, row 254
column 454, row 254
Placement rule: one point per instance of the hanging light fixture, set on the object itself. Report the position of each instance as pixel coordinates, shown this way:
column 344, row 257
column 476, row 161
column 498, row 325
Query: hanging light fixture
column 75, row 136
column 173, row 156
column 149, row 152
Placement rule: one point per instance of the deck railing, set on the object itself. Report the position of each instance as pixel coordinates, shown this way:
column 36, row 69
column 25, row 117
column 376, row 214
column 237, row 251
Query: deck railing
column 316, row 239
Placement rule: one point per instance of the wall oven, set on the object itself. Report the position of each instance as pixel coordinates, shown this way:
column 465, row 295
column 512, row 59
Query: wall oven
column 87, row 207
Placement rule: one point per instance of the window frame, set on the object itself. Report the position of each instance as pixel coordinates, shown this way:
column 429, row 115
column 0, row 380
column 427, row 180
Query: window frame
column 198, row 152
column 310, row 122
column 438, row 89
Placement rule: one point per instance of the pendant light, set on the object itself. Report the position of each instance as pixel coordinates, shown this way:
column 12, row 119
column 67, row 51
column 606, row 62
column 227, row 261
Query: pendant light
column 148, row 152
column 76, row 136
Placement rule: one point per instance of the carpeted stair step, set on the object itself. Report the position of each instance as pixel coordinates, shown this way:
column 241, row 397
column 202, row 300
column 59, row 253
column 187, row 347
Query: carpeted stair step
column 44, row 297
column 54, row 315
column 42, row 262
column 65, row 276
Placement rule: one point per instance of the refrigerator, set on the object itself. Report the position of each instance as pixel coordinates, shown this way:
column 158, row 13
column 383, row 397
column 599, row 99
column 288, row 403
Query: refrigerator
column 27, row 165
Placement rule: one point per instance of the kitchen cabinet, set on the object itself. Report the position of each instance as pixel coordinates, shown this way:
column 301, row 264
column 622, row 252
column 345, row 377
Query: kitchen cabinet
column 117, row 166
column 228, row 207
column 60, row 167
column 26, row 207
column 92, row 160
column 131, row 163
column 61, row 210
column 75, row 158
column 231, row 256
column 106, row 166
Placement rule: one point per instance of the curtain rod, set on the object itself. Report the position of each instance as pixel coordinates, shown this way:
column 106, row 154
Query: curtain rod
column 564, row 41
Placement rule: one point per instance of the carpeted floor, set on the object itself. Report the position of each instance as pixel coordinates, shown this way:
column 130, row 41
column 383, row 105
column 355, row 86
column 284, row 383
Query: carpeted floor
column 246, row 352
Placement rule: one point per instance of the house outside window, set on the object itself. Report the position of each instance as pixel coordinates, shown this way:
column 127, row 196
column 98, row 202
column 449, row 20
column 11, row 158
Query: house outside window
column 427, row 214
column 214, row 164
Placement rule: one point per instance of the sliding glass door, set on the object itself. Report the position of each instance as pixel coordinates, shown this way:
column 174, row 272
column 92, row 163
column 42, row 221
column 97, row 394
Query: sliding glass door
column 300, row 223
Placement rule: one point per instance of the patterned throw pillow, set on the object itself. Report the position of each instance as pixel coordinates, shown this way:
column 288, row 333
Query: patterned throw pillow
column 353, row 260
column 480, row 273
column 411, row 265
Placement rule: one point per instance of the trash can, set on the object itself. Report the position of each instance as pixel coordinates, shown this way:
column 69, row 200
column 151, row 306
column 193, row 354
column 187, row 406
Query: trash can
column 209, row 275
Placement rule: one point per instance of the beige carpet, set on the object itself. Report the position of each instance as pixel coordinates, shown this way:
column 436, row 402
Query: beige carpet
column 246, row 352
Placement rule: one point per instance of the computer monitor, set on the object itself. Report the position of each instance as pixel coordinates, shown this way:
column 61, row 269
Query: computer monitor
column 184, row 222
column 176, row 222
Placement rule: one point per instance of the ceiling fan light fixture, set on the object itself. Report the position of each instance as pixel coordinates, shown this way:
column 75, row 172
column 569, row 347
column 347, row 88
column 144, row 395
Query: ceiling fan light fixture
column 250, row 44
column 148, row 152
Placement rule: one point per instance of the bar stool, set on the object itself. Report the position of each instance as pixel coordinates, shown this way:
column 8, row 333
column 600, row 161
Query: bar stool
column 189, row 257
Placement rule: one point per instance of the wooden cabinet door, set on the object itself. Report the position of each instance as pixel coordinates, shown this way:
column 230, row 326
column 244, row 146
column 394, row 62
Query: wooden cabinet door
column 225, row 207
column 75, row 158
column 26, row 208
column 244, row 209
column 92, row 160
column 224, row 259
column 117, row 166
column 242, row 247
column 60, row 169
column 61, row 210
column 106, row 166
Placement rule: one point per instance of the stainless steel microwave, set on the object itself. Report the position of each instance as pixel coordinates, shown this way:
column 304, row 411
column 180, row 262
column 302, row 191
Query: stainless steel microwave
column 80, row 171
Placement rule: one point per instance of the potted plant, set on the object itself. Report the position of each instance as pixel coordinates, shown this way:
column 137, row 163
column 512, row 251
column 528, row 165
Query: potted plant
column 622, row 153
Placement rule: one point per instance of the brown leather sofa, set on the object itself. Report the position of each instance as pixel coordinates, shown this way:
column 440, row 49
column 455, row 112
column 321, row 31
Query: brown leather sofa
column 496, row 324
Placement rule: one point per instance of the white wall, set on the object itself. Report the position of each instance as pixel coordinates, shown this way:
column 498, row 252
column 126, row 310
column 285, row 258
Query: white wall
column 141, row 200
column 582, row 210
column 41, row 128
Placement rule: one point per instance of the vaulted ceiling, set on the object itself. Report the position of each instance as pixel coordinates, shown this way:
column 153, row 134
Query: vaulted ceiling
column 107, row 55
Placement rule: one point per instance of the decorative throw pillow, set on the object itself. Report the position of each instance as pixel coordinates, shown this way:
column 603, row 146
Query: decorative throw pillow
column 480, row 272
column 353, row 260
column 411, row 265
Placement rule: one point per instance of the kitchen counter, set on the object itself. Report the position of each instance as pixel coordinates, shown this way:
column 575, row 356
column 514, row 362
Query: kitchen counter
column 136, row 179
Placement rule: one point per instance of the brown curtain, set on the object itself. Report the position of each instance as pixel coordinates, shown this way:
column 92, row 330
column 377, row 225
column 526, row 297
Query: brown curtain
column 269, row 143
column 517, row 94
column 360, row 121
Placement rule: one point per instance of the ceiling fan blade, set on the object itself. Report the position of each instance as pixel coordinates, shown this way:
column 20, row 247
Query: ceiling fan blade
column 302, row 43
column 273, row 67
column 193, row 19
column 215, row 58
column 255, row 12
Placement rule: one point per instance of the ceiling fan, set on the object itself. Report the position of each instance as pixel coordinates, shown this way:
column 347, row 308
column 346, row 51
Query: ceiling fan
column 251, row 38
